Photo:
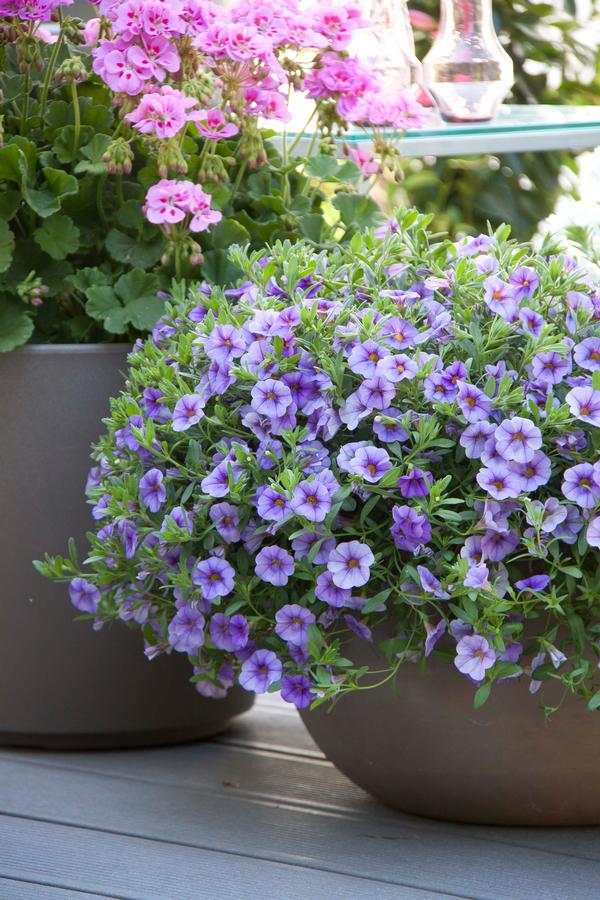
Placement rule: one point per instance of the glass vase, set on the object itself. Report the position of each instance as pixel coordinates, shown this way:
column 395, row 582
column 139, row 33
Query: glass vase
column 467, row 71
column 387, row 46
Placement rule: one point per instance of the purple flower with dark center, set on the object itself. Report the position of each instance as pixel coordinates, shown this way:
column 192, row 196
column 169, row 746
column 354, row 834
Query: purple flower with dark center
column 592, row 534
column 499, row 296
column 437, row 387
column 549, row 367
column 214, row 576
column 411, row 529
column 226, row 520
column 188, row 411
column 186, row 630
column 584, row 403
column 371, row 463
column 274, row 565
column 271, row 398
column 533, row 583
column 568, row 530
column 302, row 387
column 271, row 505
column 153, row 492
column 350, row 563
column 327, row 591
column 364, row 358
column 216, row 483
column 292, row 623
column 353, row 410
column 524, row 282
column 587, row 354
column 397, row 368
column 156, row 410
column 129, row 537
column 328, row 480
column 430, row 584
column 387, row 426
column 296, row 689
column 499, row 481
column 517, row 439
column 496, row 545
column 552, row 514
column 471, row 246
column 533, row 474
column 84, row 596
column 455, row 373
column 486, row 264
column 376, row 393
column 347, row 453
column 531, row 321
column 229, row 633
column 471, row 550
column 474, row 656
column 477, row 577
column 260, row 671
column 473, row 403
column 311, row 500
column 224, row 343
column 474, row 438
column 415, row 484
column 580, row 485
column 434, row 633
column 398, row 333
column 513, row 651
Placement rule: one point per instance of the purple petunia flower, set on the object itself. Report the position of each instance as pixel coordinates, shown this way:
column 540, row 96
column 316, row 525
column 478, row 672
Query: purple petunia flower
column 533, row 583
column 327, row 591
column 550, row 368
column 129, row 537
column 474, row 438
column 592, row 534
column 388, row 431
column 371, row 463
column 84, row 596
column 398, row 333
column 496, row 545
column 517, row 439
column 587, row 354
column 499, row 481
column 531, row 321
column 499, row 296
column 311, row 500
column 226, row 520
column 156, row 410
column 224, row 343
column 474, row 656
column 271, row 398
column 397, row 368
column 214, row 576
column 411, row 529
column 580, row 485
column 434, row 633
column 292, row 623
column 584, row 403
column 349, row 564
column 186, row 630
column 229, row 633
column 569, row 529
column 477, row 576
column 364, row 358
column 216, row 483
column 153, row 492
column 473, row 403
column 552, row 514
column 430, row 584
column 271, row 505
column 304, row 541
column 376, row 393
column 296, row 689
column 524, row 281
column 533, row 474
column 260, row 671
column 188, row 411
column 274, row 565
column 359, row 628
column 415, row 484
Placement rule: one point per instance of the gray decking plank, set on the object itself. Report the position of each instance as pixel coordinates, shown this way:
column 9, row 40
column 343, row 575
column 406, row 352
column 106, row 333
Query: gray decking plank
column 397, row 851
column 129, row 868
column 28, row 890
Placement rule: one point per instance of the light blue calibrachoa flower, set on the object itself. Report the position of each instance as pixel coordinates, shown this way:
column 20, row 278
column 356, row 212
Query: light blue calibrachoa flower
column 397, row 441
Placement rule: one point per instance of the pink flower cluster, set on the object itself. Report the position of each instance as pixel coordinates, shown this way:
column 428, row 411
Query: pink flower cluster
column 164, row 112
column 30, row 10
column 171, row 201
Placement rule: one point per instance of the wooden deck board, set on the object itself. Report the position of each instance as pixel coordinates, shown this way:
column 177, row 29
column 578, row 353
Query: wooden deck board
column 257, row 812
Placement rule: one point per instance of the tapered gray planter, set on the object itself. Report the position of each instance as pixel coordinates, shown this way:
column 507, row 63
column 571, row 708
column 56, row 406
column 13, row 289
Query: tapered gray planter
column 61, row 683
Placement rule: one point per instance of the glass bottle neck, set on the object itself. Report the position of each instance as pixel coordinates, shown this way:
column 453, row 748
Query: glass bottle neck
column 466, row 16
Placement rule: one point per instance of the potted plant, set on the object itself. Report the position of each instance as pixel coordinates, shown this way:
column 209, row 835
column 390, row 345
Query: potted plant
column 131, row 155
column 368, row 479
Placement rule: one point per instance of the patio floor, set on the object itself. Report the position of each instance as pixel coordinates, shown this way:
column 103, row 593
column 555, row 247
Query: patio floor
column 256, row 813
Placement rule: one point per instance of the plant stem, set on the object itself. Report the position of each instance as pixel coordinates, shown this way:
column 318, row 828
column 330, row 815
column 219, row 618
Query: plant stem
column 178, row 260
column 238, row 179
column 50, row 73
column 77, row 114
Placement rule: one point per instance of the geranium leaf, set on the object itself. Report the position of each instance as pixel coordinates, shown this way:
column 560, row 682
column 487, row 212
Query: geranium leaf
column 58, row 236
column 16, row 326
column 7, row 246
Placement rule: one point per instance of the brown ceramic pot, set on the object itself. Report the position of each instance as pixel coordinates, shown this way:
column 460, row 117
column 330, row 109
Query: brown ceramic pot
column 61, row 683
column 422, row 748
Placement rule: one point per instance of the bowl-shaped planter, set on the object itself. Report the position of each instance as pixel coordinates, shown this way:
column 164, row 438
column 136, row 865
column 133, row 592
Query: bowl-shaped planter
column 421, row 747
column 61, row 683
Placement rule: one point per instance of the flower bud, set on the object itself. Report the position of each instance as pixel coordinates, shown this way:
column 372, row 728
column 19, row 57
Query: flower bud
column 72, row 71
column 171, row 158
column 119, row 157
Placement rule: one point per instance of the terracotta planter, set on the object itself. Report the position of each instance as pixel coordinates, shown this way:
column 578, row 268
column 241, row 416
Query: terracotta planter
column 423, row 749
column 61, row 683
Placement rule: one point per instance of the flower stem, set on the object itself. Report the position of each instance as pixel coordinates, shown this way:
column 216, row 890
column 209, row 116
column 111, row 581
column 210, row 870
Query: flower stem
column 50, row 73
column 77, row 114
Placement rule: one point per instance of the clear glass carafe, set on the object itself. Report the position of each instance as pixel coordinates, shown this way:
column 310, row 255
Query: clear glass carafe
column 387, row 46
column 467, row 71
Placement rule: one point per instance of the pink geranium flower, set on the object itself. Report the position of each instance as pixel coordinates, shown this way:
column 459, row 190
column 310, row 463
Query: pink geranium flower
column 163, row 113
column 212, row 125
